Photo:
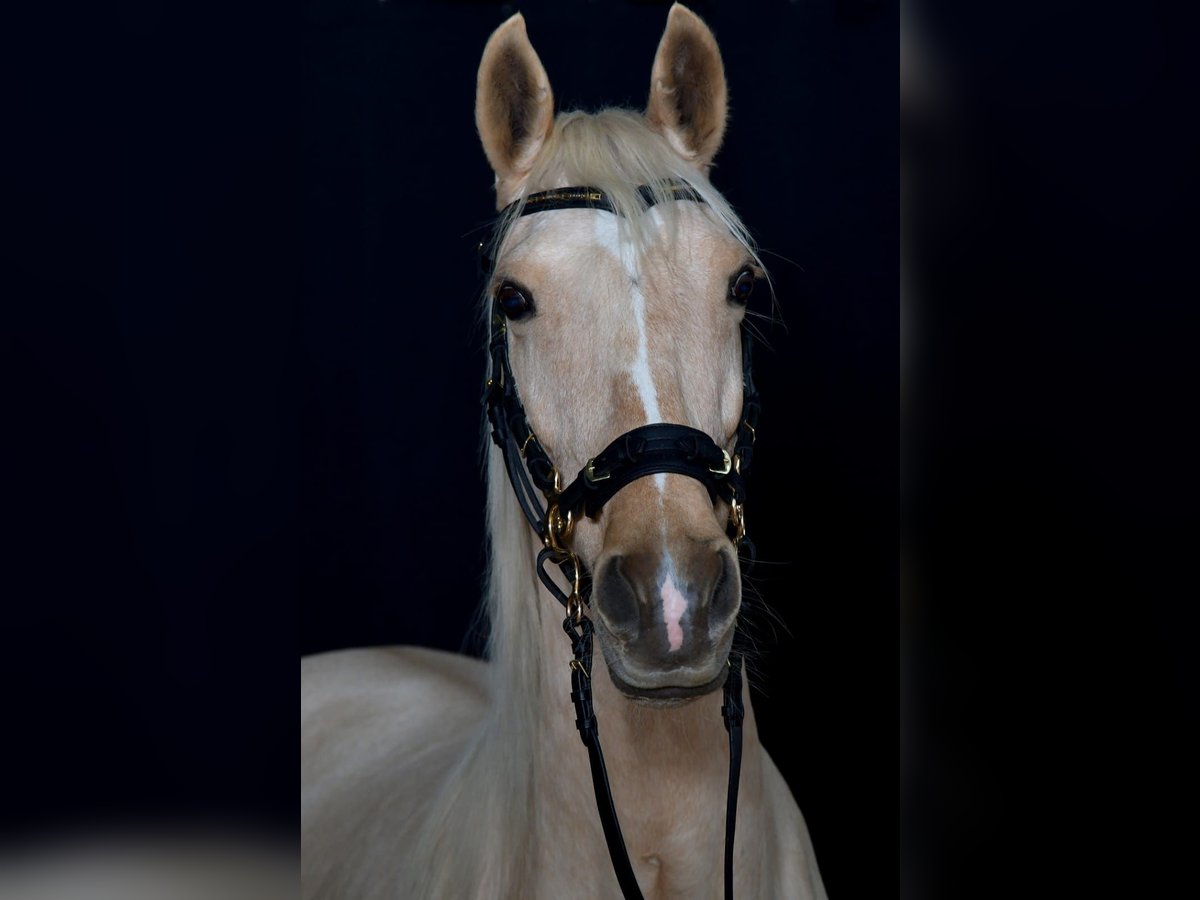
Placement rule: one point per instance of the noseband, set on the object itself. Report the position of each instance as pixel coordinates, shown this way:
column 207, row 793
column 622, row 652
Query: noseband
column 651, row 449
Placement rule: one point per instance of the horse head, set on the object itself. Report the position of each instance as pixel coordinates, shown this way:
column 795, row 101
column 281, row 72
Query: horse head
column 626, row 312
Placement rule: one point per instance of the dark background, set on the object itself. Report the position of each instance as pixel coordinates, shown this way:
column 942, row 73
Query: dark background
column 1051, row 500
column 150, row 410
column 396, row 189
column 239, row 267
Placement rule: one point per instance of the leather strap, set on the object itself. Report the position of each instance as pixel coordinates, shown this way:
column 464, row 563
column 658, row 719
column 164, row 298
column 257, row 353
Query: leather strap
column 589, row 733
column 580, row 198
column 594, row 198
column 648, row 450
column 732, row 713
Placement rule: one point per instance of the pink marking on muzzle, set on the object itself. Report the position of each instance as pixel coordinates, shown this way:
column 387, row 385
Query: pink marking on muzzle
column 674, row 606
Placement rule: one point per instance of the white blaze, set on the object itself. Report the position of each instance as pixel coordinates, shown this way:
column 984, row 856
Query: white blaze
column 609, row 237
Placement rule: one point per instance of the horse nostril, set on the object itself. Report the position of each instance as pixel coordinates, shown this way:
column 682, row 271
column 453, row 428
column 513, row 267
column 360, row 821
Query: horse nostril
column 726, row 594
column 617, row 598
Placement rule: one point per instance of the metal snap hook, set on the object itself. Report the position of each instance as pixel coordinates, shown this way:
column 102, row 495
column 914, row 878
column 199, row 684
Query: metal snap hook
column 737, row 515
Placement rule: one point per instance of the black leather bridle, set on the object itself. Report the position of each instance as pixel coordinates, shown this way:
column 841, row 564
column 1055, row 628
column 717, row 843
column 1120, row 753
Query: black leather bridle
column 650, row 449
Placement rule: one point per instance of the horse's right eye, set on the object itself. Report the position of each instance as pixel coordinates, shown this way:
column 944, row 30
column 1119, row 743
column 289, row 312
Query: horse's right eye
column 513, row 302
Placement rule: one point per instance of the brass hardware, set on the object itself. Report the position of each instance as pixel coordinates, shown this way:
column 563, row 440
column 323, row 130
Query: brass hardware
column 737, row 463
column 558, row 531
column 525, row 443
column 737, row 515
column 551, row 495
column 575, row 601
column 725, row 465
column 589, row 472
column 753, row 433
column 560, row 526
column 578, row 667
column 575, row 609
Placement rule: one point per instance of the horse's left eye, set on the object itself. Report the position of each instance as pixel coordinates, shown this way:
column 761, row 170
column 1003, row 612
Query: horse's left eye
column 742, row 287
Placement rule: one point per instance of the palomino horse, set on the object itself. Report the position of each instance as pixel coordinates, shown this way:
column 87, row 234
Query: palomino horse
column 615, row 306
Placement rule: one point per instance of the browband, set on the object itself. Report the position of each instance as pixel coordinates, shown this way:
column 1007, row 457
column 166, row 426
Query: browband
column 582, row 198
column 594, row 198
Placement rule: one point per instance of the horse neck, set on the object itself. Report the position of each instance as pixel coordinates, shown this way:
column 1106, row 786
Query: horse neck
column 668, row 767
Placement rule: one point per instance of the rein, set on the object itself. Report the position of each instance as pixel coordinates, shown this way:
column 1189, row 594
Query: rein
column 647, row 450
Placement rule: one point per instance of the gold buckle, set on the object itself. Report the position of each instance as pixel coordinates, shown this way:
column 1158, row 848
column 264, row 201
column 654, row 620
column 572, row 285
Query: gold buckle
column 737, row 515
column 589, row 472
column 726, row 465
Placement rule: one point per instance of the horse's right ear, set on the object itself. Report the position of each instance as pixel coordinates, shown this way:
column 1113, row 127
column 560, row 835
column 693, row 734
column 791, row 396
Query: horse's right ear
column 514, row 108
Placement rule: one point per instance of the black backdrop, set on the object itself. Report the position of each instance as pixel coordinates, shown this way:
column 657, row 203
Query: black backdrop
column 243, row 306
column 395, row 189
column 150, row 417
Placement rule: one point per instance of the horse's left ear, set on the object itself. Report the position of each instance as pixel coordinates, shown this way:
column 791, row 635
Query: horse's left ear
column 687, row 88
